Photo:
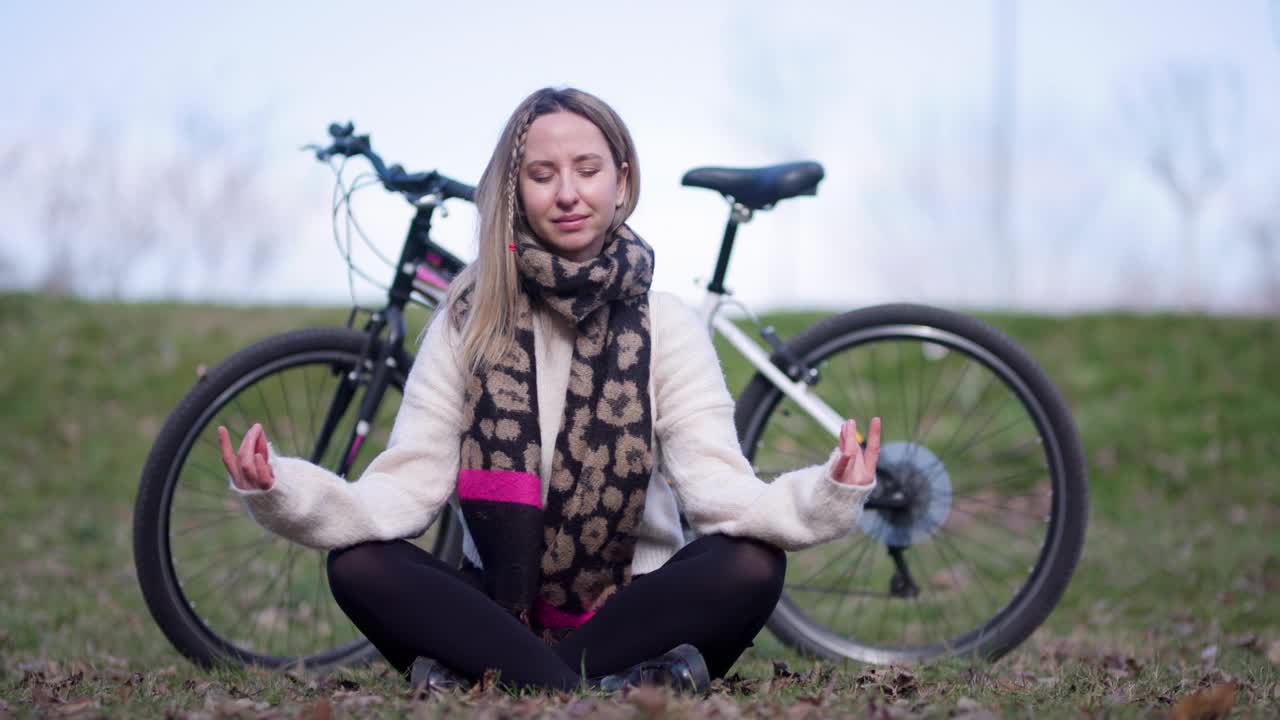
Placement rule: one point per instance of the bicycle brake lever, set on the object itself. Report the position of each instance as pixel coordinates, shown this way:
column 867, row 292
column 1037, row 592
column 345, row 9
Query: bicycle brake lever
column 431, row 200
column 321, row 152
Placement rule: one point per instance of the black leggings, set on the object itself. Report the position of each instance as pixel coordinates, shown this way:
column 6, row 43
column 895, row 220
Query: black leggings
column 716, row 593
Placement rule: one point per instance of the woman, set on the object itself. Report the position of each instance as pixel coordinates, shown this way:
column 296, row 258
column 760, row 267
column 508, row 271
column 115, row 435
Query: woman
column 569, row 407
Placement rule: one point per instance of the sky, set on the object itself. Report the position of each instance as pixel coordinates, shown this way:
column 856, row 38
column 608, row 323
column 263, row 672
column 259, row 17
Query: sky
column 896, row 100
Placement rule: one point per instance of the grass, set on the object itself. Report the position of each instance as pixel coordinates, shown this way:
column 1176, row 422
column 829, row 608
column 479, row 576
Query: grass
column 1175, row 591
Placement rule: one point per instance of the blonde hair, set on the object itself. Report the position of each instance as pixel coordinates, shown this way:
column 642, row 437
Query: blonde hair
column 488, row 328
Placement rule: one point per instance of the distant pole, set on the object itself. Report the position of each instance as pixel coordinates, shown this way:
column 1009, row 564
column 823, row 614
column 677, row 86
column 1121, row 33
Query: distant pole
column 1003, row 114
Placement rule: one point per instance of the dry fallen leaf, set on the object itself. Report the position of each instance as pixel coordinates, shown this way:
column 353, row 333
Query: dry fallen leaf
column 651, row 701
column 321, row 709
column 1208, row 704
column 1118, row 665
column 969, row 709
column 719, row 706
column 802, row 708
column 1248, row 641
column 76, row 706
column 1273, row 651
column 596, row 708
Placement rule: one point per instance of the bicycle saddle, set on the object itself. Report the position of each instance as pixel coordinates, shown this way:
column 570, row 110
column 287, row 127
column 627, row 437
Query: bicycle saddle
column 759, row 188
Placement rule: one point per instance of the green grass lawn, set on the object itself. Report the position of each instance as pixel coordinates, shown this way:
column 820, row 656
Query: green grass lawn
column 1176, row 589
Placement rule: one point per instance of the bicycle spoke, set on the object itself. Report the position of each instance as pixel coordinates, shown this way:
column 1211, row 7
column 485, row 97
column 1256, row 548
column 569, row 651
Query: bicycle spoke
column 835, row 557
column 271, row 425
column 836, row 606
column 992, row 552
column 245, row 417
column 855, row 403
column 293, row 426
column 950, row 565
column 240, row 570
column 1012, row 454
column 286, row 598
column 275, row 578
column 311, row 407
column 947, row 403
column 874, row 375
column 219, row 495
column 977, row 571
column 822, row 590
column 316, row 598
column 200, row 526
column 1038, row 517
column 970, row 443
column 923, row 401
column 944, row 566
column 963, row 424
column 220, row 550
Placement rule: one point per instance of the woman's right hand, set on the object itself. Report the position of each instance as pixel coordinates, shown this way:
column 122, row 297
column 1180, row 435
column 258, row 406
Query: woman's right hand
column 250, row 469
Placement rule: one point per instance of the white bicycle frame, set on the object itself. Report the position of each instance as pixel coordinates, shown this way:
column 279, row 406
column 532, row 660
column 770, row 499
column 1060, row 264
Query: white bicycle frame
column 718, row 322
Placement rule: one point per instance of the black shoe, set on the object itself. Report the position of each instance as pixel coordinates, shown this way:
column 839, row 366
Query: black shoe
column 682, row 669
column 427, row 674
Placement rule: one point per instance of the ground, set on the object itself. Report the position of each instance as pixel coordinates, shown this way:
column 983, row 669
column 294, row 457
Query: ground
column 1174, row 595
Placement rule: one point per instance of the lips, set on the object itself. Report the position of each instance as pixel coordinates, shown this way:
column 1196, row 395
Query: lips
column 570, row 222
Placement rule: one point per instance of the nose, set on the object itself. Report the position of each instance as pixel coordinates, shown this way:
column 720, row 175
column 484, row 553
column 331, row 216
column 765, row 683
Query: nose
column 567, row 193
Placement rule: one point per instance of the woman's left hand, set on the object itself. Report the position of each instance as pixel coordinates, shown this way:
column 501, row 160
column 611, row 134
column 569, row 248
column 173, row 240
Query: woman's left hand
column 856, row 466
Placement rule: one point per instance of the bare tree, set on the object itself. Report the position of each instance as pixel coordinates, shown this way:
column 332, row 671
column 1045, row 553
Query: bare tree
column 193, row 216
column 1188, row 122
column 1266, row 240
column 929, row 207
column 1262, row 230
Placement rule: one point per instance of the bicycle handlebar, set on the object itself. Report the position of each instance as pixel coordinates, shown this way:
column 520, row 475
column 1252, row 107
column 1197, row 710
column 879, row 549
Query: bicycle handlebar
column 394, row 178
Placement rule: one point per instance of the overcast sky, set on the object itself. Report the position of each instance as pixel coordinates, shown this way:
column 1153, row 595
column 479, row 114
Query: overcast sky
column 895, row 99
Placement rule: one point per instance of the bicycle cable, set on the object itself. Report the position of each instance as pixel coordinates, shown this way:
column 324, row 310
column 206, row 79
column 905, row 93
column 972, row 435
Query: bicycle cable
column 728, row 300
column 351, row 218
column 342, row 195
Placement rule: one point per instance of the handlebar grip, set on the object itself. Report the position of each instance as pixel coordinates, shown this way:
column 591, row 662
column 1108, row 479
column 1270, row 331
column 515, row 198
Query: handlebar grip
column 455, row 189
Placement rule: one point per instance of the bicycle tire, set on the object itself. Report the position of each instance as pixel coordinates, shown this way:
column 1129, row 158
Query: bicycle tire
column 936, row 513
column 168, row 583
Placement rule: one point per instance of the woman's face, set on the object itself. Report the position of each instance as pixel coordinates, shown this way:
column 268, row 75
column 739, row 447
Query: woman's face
column 569, row 185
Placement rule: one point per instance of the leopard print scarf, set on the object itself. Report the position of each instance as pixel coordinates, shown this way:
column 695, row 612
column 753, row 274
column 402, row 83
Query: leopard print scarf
column 561, row 563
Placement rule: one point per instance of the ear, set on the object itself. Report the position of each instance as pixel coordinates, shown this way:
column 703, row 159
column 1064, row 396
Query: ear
column 624, row 172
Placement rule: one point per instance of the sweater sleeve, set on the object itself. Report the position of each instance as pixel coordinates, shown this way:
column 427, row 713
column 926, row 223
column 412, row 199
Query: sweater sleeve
column 403, row 489
column 701, row 455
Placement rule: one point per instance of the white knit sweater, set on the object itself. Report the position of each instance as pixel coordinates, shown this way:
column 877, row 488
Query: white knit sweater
column 696, row 453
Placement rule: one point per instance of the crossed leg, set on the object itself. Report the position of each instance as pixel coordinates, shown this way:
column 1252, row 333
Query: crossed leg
column 716, row 593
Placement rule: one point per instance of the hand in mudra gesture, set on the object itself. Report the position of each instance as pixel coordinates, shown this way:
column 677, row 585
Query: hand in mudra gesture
column 250, row 469
column 857, row 466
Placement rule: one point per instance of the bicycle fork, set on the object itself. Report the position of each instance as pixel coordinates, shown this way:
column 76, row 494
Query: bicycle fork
column 377, row 362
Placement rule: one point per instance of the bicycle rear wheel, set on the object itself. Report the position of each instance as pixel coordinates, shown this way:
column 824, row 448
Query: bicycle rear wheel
column 979, row 514
column 222, row 588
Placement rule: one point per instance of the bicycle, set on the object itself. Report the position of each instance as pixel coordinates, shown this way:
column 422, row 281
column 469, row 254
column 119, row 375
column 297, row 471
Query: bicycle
column 964, row 548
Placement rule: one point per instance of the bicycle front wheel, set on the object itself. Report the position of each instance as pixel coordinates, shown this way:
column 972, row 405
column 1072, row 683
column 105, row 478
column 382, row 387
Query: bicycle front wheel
column 979, row 514
column 222, row 588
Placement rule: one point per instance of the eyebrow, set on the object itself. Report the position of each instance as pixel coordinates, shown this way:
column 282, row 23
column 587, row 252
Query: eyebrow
column 580, row 158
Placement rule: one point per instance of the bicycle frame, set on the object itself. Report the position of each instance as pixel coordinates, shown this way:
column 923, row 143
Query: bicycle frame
column 717, row 321
column 423, row 276
column 424, row 272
